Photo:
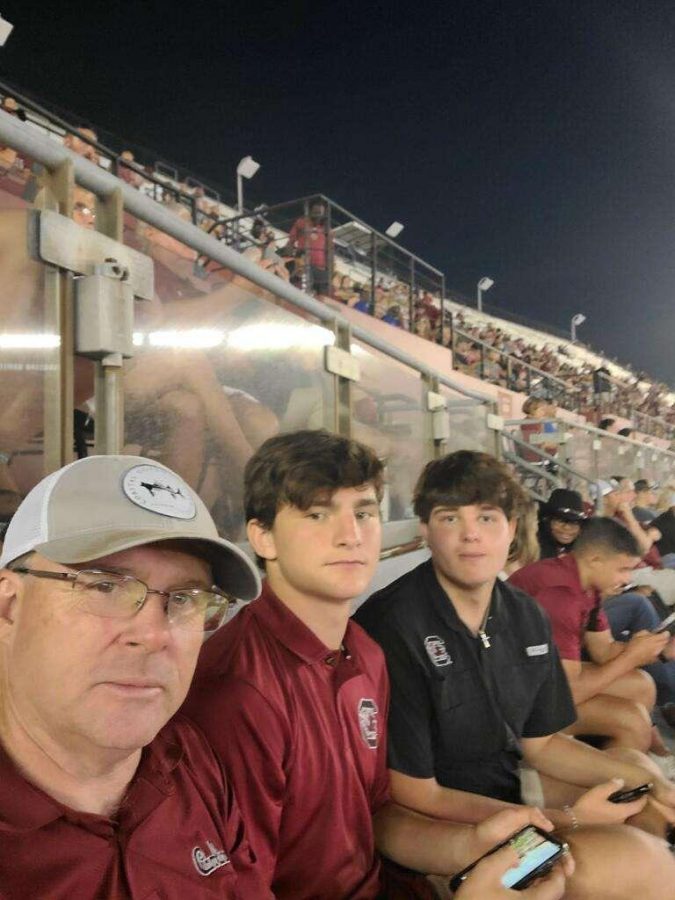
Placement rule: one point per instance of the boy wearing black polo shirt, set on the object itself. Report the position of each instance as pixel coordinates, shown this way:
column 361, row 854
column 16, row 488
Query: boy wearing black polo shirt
column 476, row 682
column 293, row 695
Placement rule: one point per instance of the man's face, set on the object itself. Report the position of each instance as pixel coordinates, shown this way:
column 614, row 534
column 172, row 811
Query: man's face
column 609, row 572
column 93, row 684
column 327, row 552
column 564, row 532
column 469, row 544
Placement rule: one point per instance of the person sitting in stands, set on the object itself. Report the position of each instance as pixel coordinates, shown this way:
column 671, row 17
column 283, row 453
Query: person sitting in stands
column 106, row 591
column 477, row 683
column 560, row 523
column 293, row 695
column 613, row 697
column 644, row 503
column 81, row 142
column 618, row 504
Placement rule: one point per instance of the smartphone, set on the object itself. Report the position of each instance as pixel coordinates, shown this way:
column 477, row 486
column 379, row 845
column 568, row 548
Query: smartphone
column 537, row 851
column 630, row 794
column 668, row 624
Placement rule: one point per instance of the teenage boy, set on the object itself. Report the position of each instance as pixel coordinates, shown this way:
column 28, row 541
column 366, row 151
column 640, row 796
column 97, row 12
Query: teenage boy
column 293, row 695
column 612, row 695
column 107, row 584
column 476, row 682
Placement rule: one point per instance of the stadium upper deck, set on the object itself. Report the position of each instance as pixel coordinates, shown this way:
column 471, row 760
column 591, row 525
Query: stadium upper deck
column 225, row 352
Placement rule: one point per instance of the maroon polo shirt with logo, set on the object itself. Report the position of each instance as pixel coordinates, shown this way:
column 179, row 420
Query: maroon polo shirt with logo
column 301, row 731
column 178, row 834
column 555, row 585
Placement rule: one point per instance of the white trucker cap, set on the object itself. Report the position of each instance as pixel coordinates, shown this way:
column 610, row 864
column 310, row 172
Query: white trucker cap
column 103, row 504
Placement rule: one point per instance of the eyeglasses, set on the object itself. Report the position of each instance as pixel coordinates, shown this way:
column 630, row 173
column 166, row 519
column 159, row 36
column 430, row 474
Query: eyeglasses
column 110, row 595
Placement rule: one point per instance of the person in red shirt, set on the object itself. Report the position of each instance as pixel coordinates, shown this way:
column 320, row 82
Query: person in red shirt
column 310, row 238
column 106, row 589
column 610, row 692
column 293, row 695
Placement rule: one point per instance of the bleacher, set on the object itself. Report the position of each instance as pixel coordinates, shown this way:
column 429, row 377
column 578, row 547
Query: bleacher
column 232, row 348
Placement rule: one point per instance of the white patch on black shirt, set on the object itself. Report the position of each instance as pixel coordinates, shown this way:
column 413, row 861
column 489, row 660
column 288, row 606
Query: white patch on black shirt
column 437, row 651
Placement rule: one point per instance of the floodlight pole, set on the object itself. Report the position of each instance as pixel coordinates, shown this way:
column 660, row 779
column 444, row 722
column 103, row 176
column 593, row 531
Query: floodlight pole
column 576, row 320
column 484, row 284
column 246, row 169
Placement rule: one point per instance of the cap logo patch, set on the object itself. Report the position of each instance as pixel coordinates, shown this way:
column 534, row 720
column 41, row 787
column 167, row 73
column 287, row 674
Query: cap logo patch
column 207, row 861
column 159, row 491
column 368, row 722
column 436, row 650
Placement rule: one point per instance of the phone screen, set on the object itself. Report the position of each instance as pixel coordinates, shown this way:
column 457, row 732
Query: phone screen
column 535, row 849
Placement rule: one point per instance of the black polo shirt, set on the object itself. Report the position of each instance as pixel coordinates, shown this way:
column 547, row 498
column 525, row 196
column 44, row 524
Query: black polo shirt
column 444, row 722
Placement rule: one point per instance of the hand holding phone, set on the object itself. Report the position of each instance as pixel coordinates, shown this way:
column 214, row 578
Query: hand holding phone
column 668, row 624
column 485, row 881
column 630, row 794
column 537, row 852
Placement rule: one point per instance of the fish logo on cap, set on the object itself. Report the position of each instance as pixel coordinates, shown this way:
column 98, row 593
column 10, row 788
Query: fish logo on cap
column 160, row 491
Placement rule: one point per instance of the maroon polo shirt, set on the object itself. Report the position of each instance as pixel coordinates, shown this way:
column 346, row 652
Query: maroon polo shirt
column 178, row 834
column 301, row 731
column 554, row 583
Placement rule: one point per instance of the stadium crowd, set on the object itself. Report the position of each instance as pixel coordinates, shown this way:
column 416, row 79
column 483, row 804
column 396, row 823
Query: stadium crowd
column 152, row 744
column 485, row 351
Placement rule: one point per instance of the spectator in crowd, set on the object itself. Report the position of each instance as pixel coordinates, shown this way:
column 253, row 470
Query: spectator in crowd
column 628, row 612
column 128, row 169
column 311, row 241
column 101, row 798
column 293, row 695
column 645, row 501
column 476, row 681
column 82, row 141
column 534, row 432
column 525, row 546
column 264, row 251
column 610, row 695
column 618, row 504
column 665, row 522
column 560, row 522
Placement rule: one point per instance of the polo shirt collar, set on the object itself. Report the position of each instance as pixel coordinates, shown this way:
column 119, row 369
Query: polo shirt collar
column 26, row 807
column 289, row 630
column 444, row 608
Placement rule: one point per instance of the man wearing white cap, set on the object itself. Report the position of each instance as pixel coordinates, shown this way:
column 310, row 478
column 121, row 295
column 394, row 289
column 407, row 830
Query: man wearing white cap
column 112, row 571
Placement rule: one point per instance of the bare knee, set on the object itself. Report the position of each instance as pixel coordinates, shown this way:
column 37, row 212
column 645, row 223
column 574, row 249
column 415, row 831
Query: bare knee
column 614, row 862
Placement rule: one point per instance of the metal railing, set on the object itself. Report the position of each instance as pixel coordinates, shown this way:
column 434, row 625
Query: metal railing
column 185, row 340
column 212, row 351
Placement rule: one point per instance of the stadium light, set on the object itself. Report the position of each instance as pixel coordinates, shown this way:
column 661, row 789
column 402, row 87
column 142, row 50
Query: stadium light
column 394, row 230
column 483, row 285
column 246, row 169
column 576, row 320
column 5, row 31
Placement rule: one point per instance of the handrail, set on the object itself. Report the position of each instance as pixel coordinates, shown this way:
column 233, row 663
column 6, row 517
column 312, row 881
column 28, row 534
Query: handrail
column 29, row 141
column 600, row 432
column 53, row 118
column 353, row 218
column 520, row 362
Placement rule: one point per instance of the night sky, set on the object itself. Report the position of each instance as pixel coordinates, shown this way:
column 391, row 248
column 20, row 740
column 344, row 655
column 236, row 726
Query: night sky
column 533, row 142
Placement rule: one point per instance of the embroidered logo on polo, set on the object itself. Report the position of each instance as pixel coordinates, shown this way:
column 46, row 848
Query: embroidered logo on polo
column 207, row 861
column 368, row 723
column 159, row 491
column 436, row 650
column 537, row 650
